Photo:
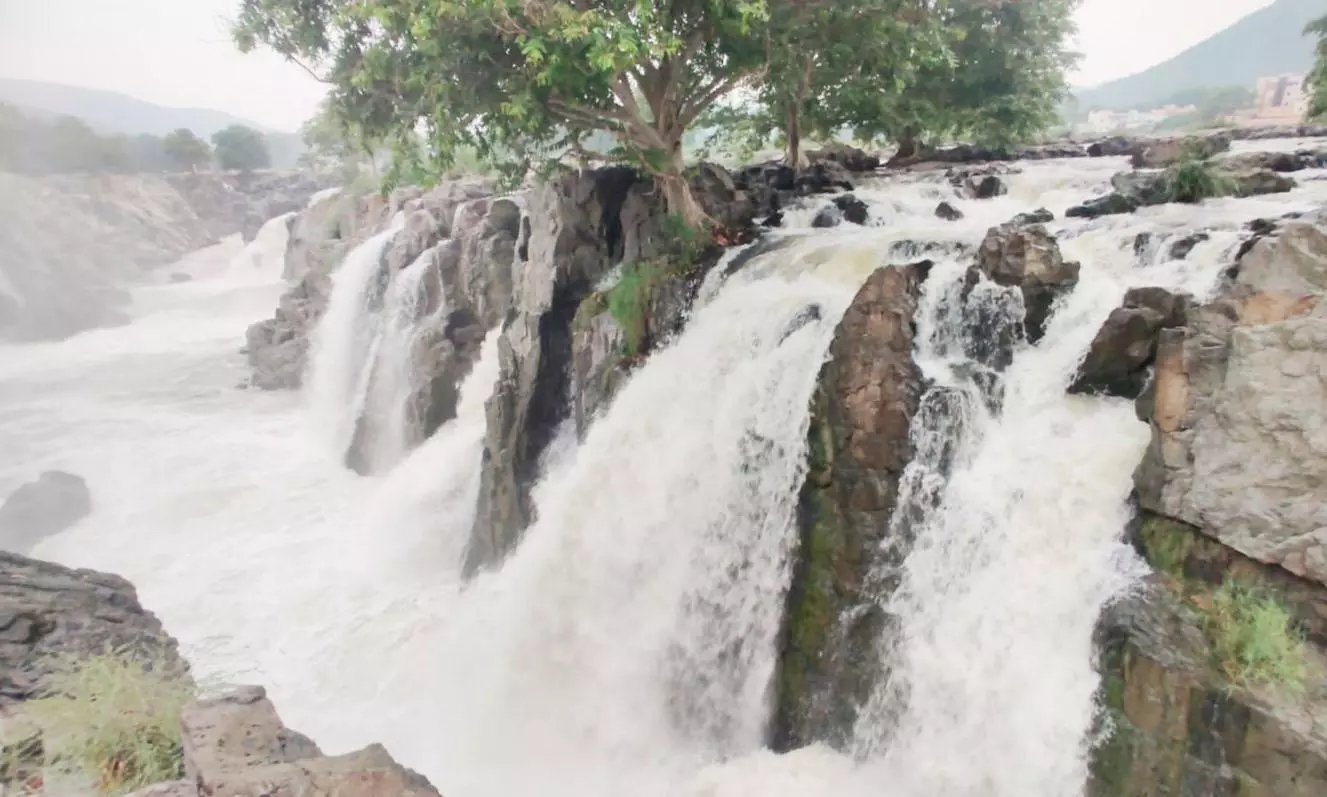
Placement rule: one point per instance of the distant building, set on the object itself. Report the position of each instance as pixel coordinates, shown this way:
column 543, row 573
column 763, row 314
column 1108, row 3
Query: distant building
column 1279, row 100
column 1102, row 121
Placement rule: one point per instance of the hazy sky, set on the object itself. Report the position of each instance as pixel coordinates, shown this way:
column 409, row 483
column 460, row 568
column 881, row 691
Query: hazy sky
column 177, row 52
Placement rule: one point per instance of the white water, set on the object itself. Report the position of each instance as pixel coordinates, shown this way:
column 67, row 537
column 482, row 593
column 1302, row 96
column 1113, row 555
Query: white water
column 627, row 644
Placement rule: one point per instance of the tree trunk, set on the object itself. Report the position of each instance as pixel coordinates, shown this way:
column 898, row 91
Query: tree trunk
column 677, row 189
column 907, row 144
column 794, row 134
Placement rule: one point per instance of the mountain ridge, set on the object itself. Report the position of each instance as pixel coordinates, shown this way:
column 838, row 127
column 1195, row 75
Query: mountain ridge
column 1269, row 41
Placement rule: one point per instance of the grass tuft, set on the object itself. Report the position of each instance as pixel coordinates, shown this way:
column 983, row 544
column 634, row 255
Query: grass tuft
column 1193, row 179
column 113, row 719
column 1255, row 639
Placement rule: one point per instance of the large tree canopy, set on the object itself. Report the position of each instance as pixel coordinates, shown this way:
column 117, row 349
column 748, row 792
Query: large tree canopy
column 241, row 148
column 1317, row 78
column 521, row 79
column 186, row 150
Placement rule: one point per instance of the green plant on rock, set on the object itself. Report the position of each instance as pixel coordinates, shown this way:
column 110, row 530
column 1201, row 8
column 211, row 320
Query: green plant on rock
column 1193, row 179
column 628, row 301
column 1167, row 544
column 1255, row 639
column 112, row 718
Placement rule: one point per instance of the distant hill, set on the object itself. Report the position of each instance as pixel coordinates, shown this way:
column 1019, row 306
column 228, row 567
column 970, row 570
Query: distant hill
column 111, row 112
column 1267, row 42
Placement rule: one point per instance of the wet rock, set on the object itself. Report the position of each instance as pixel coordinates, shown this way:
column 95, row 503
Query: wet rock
column 1028, row 258
column 1124, row 348
column 948, row 212
column 850, row 158
column 1147, row 188
column 581, row 226
column 1258, row 182
column 38, row 509
column 867, row 394
column 47, row 610
column 1175, row 724
column 854, row 210
column 1038, row 216
column 769, row 187
column 1144, row 246
column 1108, row 205
column 986, row 187
column 1163, row 153
column 1269, row 161
column 829, row 216
column 1057, row 150
column 1181, row 248
column 1235, row 413
column 1114, row 146
column 237, row 745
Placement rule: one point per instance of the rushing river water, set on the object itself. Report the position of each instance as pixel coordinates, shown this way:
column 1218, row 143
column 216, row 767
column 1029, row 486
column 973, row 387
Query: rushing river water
column 627, row 646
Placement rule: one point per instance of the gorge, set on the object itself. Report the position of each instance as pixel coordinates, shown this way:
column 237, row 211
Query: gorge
column 545, row 502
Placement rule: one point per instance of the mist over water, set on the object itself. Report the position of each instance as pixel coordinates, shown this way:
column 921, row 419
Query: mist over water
column 627, row 645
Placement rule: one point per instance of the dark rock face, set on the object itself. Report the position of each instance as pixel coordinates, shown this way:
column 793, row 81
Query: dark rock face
column 1108, row 205
column 1179, row 726
column 1125, row 347
column 1114, row 146
column 237, row 745
column 46, row 610
column 765, row 189
column 861, row 413
column 850, row 158
column 581, row 226
column 948, row 212
column 38, row 509
column 1180, row 249
column 1028, row 258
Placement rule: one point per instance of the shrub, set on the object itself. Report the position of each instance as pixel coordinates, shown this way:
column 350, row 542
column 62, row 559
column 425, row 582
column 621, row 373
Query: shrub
column 1194, row 179
column 628, row 300
column 113, row 719
column 1254, row 638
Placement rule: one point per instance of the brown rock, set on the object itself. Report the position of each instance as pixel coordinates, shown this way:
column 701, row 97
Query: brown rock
column 868, row 393
column 1027, row 257
column 1118, row 359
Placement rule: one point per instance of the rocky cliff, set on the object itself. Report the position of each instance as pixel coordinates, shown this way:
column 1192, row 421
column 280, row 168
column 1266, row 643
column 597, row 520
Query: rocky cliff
column 74, row 243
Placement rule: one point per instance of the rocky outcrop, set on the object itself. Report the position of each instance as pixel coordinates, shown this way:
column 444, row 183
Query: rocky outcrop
column 1119, row 359
column 236, row 745
column 582, row 224
column 866, row 397
column 843, row 208
column 1237, row 445
column 849, row 157
column 947, row 212
column 764, row 190
column 1176, row 725
column 1166, row 152
column 47, row 610
column 1112, row 147
column 231, row 202
column 52, row 503
column 1027, row 257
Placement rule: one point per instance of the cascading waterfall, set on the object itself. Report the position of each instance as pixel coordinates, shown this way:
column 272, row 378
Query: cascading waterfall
column 342, row 345
column 628, row 643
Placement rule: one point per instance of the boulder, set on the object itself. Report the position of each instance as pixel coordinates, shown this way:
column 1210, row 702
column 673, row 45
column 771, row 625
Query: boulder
column 1124, row 348
column 859, row 446
column 985, row 187
column 850, row 158
column 1038, row 216
column 48, row 610
column 52, row 503
column 1028, row 258
column 1258, row 182
column 1109, row 205
column 1238, row 445
column 1114, row 146
column 767, row 188
column 948, row 212
column 1165, row 152
column 1175, row 724
column 1181, row 248
column 236, row 745
column 1269, row 161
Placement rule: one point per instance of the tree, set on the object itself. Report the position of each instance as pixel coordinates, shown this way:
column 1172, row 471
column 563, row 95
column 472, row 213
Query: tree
column 523, row 81
column 1317, row 78
column 241, row 148
column 185, row 150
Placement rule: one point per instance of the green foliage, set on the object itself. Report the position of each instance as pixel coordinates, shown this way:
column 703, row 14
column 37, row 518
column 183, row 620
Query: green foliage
column 1317, row 77
column 240, row 148
column 1254, row 638
column 628, row 301
column 1167, row 544
column 186, row 150
column 112, row 718
column 1193, row 179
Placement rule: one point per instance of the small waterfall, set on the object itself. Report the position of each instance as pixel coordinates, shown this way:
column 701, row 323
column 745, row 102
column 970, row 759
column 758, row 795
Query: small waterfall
column 344, row 343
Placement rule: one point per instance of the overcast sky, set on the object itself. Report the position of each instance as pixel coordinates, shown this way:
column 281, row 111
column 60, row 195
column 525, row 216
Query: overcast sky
column 177, row 52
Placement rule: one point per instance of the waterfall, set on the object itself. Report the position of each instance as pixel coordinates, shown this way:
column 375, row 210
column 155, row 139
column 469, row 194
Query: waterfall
column 628, row 644
column 343, row 345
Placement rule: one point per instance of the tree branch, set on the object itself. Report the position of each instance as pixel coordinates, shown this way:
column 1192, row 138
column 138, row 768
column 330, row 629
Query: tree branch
column 711, row 94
